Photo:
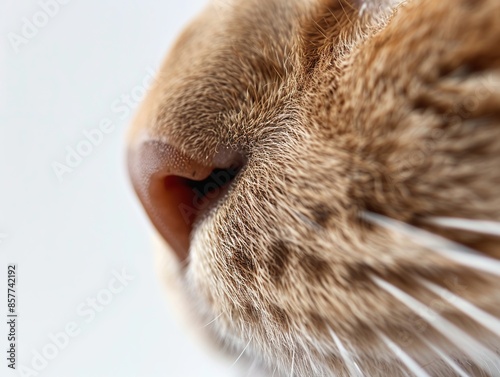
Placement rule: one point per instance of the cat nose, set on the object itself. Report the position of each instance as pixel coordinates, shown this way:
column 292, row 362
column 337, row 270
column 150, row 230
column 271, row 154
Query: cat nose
column 159, row 173
column 174, row 188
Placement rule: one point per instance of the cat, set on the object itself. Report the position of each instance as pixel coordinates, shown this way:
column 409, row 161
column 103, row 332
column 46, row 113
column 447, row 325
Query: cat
column 326, row 174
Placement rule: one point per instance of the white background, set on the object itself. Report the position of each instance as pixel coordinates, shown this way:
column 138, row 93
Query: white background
column 67, row 237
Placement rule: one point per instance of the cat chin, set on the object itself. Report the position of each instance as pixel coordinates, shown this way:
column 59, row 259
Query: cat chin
column 183, row 284
column 187, row 309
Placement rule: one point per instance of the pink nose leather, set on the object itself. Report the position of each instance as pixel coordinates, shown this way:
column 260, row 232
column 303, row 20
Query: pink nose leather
column 160, row 174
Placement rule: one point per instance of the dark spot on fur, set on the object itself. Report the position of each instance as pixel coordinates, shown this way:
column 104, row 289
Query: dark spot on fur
column 317, row 322
column 470, row 4
column 321, row 214
column 279, row 317
column 359, row 273
column 251, row 313
column 314, row 267
column 243, row 264
column 279, row 259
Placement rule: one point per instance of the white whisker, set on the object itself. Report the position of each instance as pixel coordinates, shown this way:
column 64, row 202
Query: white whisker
column 484, row 318
column 477, row 352
column 312, row 364
column 449, row 249
column 212, row 321
column 293, row 363
column 241, row 354
column 447, row 359
column 478, row 226
column 352, row 366
column 411, row 364
column 274, row 371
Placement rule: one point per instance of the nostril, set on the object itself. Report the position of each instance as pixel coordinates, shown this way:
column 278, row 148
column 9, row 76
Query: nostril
column 175, row 189
column 212, row 186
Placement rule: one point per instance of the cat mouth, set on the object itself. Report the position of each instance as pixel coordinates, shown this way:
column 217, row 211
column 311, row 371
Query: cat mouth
column 177, row 191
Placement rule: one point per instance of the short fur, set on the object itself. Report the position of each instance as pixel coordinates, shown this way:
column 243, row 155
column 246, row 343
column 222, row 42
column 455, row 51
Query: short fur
column 341, row 108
